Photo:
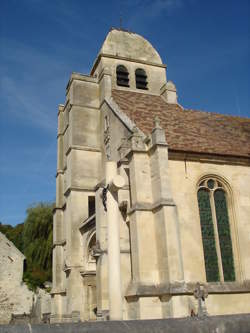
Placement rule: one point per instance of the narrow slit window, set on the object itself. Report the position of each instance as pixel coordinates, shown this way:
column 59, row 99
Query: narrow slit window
column 91, row 206
column 122, row 76
column 106, row 123
column 141, row 79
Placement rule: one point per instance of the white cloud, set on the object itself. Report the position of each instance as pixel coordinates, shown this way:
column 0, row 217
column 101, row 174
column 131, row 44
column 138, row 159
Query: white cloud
column 30, row 84
column 24, row 105
column 147, row 11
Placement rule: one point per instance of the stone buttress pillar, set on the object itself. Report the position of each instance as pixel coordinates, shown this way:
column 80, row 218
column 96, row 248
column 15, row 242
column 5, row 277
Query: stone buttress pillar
column 169, row 254
column 154, row 229
column 79, row 172
column 82, row 174
column 145, row 273
column 58, row 289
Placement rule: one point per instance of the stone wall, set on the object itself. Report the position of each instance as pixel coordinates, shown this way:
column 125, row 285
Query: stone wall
column 185, row 175
column 11, row 261
column 17, row 303
column 14, row 300
column 15, row 297
column 42, row 307
column 218, row 324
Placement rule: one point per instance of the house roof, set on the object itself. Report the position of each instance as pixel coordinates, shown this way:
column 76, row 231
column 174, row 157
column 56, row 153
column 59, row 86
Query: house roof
column 5, row 241
column 187, row 130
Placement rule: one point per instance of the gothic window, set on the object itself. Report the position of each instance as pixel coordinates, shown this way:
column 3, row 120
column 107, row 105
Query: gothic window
column 122, row 76
column 141, row 79
column 215, row 229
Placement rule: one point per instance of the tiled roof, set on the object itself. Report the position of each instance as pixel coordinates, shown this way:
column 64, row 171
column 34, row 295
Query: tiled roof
column 187, row 130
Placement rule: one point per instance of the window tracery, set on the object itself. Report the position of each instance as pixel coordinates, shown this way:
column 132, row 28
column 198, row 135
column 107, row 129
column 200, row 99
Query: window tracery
column 215, row 229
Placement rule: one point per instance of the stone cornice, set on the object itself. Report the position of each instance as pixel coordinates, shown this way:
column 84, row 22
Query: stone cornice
column 207, row 158
column 155, row 146
column 63, row 132
column 81, row 189
column 60, row 108
column 80, row 77
column 84, row 148
column 57, row 208
column 59, row 243
column 59, row 172
column 143, row 206
column 186, row 288
column 87, row 273
column 105, row 55
column 129, row 154
column 86, row 106
column 58, row 291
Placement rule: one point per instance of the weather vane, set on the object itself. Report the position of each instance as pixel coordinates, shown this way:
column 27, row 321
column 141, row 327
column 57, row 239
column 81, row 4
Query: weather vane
column 120, row 20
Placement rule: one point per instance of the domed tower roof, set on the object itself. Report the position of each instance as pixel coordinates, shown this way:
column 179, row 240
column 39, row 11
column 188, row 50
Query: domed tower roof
column 129, row 45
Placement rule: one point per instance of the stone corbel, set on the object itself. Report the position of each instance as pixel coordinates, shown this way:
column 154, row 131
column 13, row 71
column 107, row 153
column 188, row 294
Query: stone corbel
column 96, row 252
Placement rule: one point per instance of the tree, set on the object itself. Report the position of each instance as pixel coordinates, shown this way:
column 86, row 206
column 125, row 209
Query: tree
column 34, row 238
column 37, row 244
column 14, row 234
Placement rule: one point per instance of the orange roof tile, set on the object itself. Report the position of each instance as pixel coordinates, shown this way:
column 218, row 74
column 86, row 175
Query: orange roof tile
column 187, row 130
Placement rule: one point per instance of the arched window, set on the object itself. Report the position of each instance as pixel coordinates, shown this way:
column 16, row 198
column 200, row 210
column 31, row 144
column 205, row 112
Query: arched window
column 122, row 76
column 141, row 79
column 215, row 229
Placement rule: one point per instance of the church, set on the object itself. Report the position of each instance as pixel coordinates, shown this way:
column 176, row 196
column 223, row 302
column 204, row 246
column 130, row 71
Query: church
column 152, row 216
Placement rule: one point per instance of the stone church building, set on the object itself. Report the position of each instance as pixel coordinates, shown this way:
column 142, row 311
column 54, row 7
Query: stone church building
column 152, row 216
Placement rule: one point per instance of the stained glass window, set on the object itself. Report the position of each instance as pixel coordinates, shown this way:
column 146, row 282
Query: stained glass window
column 215, row 229
column 210, row 184
column 208, row 239
column 224, row 235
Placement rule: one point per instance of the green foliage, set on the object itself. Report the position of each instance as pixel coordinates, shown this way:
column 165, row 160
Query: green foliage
column 14, row 234
column 34, row 238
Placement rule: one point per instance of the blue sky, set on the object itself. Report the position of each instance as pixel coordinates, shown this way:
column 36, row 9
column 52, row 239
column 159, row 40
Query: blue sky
column 205, row 45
